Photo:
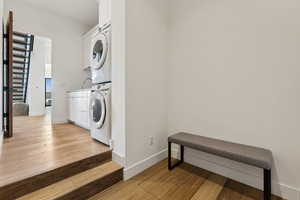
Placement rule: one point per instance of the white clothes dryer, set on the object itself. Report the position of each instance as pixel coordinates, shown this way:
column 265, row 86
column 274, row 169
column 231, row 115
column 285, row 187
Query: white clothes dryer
column 101, row 56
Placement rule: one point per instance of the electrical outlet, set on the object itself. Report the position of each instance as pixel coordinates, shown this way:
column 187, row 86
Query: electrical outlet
column 151, row 140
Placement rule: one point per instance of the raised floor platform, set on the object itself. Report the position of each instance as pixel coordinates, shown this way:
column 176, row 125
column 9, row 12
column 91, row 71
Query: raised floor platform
column 40, row 154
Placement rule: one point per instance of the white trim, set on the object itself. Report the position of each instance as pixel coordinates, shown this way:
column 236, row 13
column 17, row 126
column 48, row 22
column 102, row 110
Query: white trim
column 118, row 158
column 144, row 164
column 59, row 121
column 237, row 171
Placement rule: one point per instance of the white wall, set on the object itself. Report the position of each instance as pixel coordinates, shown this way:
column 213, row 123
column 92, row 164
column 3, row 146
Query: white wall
column 66, row 47
column 118, row 78
column 146, row 84
column 36, row 86
column 234, row 75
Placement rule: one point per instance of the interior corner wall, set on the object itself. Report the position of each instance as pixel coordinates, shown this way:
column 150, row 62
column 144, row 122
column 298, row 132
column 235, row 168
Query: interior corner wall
column 234, row 75
column 66, row 36
column 146, row 84
column 118, row 80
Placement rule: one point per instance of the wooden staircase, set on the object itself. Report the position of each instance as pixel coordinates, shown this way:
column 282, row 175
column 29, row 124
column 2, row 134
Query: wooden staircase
column 78, row 180
column 22, row 49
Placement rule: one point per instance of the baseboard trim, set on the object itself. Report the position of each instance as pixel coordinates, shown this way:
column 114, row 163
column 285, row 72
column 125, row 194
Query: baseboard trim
column 118, row 159
column 140, row 166
column 237, row 171
column 59, row 121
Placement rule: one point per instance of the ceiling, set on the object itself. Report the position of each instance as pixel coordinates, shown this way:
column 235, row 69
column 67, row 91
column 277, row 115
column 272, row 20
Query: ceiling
column 83, row 11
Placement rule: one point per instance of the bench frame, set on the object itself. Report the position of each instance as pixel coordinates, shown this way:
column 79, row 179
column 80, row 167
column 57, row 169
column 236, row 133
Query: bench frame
column 267, row 172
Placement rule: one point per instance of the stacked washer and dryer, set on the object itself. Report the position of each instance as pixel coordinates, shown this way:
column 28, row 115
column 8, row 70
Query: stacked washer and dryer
column 100, row 99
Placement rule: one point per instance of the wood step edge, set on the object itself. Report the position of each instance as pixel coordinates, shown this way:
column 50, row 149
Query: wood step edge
column 17, row 188
column 20, row 34
column 17, row 41
column 82, row 185
column 19, row 49
column 211, row 188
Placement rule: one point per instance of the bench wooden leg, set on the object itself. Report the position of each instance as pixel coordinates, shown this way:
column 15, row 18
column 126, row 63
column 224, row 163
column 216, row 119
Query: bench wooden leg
column 170, row 166
column 267, row 184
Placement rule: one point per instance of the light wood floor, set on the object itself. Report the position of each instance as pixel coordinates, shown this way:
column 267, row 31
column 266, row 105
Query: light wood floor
column 37, row 147
column 183, row 183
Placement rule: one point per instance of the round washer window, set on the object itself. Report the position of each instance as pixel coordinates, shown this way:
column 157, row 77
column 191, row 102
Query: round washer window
column 97, row 110
column 98, row 51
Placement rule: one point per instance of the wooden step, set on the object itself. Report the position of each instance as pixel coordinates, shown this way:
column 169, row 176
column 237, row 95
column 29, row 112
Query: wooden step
column 20, row 34
column 18, row 95
column 18, row 186
column 19, row 68
column 19, row 62
column 80, row 186
column 17, row 92
column 18, row 99
column 18, row 73
column 17, row 83
column 18, row 78
column 19, row 49
column 19, row 56
column 17, row 87
column 16, row 41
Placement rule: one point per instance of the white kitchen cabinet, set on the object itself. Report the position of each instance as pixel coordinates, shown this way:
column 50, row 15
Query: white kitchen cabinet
column 79, row 108
column 86, row 45
column 104, row 12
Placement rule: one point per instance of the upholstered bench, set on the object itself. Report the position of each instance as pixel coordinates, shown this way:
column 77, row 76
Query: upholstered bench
column 255, row 156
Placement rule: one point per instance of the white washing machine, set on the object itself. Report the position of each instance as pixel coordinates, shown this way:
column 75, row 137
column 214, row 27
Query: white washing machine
column 100, row 113
column 101, row 56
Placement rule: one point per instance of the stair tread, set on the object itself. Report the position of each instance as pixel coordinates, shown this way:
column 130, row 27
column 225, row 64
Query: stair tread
column 19, row 42
column 21, row 68
column 19, row 49
column 72, row 183
column 20, row 62
column 18, row 72
column 19, row 55
column 20, row 34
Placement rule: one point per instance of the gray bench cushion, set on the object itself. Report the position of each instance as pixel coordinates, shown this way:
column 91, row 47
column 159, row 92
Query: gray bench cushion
column 255, row 156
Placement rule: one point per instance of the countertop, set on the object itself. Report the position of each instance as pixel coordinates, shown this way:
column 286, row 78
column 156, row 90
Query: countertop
column 80, row 90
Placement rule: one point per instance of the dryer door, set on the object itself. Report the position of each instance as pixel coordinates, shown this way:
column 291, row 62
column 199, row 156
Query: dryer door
column 97, row 110
column 99, row 51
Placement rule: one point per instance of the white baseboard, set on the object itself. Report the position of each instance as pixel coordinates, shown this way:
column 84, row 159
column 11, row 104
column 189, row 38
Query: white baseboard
column 118, row 159
column 144, row 164
column 59, row 121
column 237, row 171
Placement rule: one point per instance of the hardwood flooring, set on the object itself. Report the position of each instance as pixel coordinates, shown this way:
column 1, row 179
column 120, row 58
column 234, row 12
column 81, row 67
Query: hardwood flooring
column 48, row 152
column 183, row 183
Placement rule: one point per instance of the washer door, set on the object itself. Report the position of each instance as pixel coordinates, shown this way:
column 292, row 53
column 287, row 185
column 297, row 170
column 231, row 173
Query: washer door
column 99, row 51
column 97, row 109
